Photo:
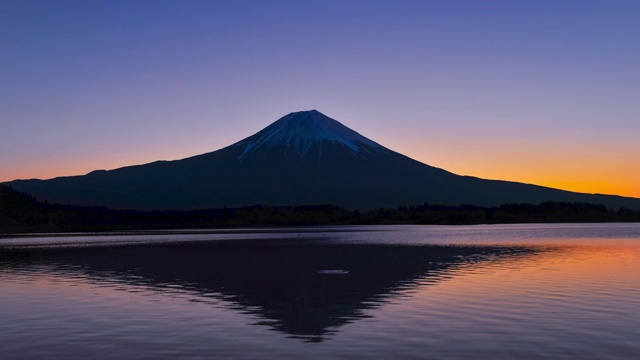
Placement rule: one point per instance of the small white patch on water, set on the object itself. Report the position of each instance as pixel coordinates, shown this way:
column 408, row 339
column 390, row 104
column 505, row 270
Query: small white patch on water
column 333, row 272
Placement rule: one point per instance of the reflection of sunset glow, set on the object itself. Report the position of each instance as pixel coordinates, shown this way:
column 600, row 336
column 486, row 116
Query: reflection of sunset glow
column 501, row 291
column 584, row 265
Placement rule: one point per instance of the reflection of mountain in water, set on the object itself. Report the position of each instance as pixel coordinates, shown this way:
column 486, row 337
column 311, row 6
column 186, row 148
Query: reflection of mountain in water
column 278, row 280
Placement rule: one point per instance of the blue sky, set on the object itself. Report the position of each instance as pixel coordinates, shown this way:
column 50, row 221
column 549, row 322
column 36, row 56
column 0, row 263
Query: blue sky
column 542, row 92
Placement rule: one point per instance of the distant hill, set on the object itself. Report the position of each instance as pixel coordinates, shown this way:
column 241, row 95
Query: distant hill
column 304, row 158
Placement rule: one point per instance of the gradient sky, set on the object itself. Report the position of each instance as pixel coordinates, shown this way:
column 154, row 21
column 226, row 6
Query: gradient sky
column 543, row 92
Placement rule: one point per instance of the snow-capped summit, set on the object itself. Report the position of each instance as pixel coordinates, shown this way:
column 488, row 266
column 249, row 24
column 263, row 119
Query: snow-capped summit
column 301, row 131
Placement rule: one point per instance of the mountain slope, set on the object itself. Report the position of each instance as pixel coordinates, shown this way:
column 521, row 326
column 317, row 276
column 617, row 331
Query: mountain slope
column 303, row 158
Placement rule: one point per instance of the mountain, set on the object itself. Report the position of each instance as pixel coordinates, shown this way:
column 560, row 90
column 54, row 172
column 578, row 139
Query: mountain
column 304, row 158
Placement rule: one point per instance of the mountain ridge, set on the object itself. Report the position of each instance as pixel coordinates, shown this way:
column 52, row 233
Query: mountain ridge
column 303, row 158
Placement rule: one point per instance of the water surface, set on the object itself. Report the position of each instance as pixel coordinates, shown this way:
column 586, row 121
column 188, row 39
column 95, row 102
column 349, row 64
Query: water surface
column 439, row 292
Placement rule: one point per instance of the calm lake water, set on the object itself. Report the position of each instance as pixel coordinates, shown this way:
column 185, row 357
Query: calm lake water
column 568, row 291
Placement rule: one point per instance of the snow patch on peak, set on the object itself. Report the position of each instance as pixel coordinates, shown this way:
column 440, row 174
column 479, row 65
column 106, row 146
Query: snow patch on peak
column 301, row 130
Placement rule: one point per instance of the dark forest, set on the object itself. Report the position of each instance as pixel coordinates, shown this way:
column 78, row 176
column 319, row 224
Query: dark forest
column 22, row 213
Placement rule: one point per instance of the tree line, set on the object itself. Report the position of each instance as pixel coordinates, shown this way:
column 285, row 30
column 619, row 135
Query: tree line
column 21, row 212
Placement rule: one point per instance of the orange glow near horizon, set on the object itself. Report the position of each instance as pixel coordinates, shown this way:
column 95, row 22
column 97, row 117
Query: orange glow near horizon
column 585, row 164
column 598, row 167
column 590, row 168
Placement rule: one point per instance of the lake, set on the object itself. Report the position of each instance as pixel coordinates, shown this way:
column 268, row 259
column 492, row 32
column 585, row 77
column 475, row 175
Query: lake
column 544, row 291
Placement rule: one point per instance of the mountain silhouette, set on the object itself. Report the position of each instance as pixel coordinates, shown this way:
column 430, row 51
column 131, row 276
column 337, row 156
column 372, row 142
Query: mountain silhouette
column 304, row 158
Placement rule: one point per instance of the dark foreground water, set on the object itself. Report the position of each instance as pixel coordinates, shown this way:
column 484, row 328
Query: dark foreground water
column 425, row 292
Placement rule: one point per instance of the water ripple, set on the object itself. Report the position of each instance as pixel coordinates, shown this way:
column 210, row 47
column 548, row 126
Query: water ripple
column 500, row 292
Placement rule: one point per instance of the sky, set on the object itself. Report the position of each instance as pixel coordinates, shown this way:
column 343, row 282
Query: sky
column 542, row 92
